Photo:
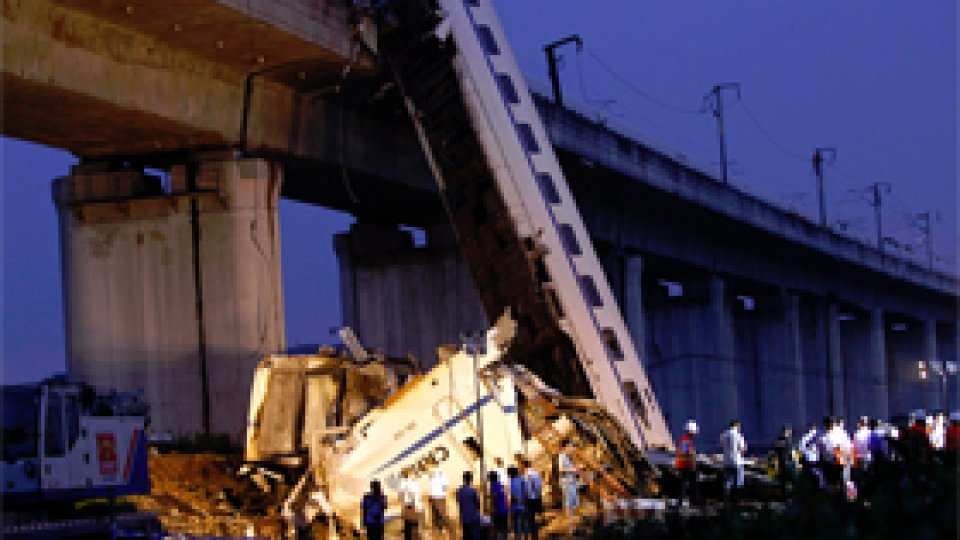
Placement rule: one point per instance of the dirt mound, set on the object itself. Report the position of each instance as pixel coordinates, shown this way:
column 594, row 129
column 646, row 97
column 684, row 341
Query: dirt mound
column 201, row 494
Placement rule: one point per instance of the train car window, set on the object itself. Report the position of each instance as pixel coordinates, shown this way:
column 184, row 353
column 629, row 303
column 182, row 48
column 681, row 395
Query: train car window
column 547, row 188
column 20, row 420
column 527, row 139
column 72, row 419
column 590, row 291
column 487, row 40
column 507, row 89
column 569, row 238
column 53, row 432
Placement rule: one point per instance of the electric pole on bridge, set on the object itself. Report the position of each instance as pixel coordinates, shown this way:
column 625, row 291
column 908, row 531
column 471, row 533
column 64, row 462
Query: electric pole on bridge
column 821, row 155
column 550, row 50
column 714, row 101
column 877, row 204
column 925, row 226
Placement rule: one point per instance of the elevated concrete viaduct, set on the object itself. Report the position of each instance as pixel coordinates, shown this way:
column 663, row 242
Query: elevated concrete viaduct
column 173, row 285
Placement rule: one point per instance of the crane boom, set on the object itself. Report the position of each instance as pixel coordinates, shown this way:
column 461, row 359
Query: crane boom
column 516, row 221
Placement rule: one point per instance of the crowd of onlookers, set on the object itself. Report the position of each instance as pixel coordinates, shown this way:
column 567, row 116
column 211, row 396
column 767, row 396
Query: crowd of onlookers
column 512, row 502
column 826, row 457
column 829, row 457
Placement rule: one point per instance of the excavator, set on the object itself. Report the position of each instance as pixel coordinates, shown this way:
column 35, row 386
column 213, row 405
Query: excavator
column 557, row 364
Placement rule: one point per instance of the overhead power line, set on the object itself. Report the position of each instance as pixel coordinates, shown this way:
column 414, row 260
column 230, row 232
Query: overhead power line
column 637, row 90
column 766, row 134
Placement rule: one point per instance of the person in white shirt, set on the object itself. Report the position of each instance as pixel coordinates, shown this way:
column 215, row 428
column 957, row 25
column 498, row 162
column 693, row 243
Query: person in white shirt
column 438, row 497
column 810, row 454
column 861, row 444
column 734, row 447
column 568, row 479
column 843, row 445
column 410, row 500
column 836, row 449
column 938, row 433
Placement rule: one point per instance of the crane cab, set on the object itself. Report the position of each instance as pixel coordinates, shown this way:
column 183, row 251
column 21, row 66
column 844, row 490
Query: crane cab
column 66, row 441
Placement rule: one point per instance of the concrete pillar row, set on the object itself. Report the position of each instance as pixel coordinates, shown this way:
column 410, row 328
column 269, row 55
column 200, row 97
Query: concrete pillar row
column 175, row 291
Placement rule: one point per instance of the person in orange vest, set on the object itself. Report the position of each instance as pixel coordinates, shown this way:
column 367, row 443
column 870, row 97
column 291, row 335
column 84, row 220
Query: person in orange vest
column 686, row 464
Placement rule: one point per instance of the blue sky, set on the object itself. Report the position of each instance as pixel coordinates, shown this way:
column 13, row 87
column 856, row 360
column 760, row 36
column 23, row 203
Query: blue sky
column 876, row 80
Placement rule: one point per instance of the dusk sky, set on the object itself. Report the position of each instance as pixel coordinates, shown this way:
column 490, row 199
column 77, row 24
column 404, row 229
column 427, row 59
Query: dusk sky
column 875, row 80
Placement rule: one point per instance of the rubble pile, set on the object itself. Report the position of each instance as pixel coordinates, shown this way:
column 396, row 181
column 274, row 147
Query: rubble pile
column 201, row 494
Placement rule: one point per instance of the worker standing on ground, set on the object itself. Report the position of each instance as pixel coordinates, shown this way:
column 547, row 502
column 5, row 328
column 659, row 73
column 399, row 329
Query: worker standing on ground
column 534, row 486
column 686, row 464
column 468, row 507
column 810, row 456
column 786, row 468
column 952, row 440
column 410, row 504
column 373, row 506
column 734, row 447
column 830, row 465
column 498, row 506
column 916, row 442
column 438, row 498
column 842, row 449
column 861, row 446
column 938, row 433
column 568, row 479
column 518, row 504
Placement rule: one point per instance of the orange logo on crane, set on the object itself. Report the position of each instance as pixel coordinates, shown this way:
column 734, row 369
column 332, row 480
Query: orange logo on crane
column 107, row 453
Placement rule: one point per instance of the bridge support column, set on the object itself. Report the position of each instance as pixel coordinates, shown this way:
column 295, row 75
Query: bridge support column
column 813, row 340
column 879, row 403
column 632, row 305
column 175, row 291
column 779, row 365
column 835, row 368
column 932, row 398
column 719, row 385
column 907, row 342
column 864, row 364
column 402, row 299
column 691, row 352
column 947, row 348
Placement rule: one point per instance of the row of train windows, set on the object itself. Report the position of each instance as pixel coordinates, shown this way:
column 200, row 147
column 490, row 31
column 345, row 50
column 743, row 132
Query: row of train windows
column 545, row 182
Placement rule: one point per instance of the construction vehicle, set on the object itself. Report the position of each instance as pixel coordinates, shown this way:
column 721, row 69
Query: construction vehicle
column 561, row 351
column 67, row 441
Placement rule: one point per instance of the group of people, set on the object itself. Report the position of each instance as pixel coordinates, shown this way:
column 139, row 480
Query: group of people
column 826, row 455
column 833, row 459
column 514, row 501
column 733, row 447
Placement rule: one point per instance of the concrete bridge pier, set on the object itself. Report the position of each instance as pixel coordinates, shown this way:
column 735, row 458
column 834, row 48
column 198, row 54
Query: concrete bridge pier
column 814, row 366
column 401, row 298
column 947, row 349
column 689, row 351
column 909, row 346
column 778, row 364
column 173, row 289
column 865, row 387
